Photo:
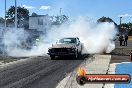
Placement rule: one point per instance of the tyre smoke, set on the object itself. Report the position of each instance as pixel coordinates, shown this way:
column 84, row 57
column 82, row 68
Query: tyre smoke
column 96, row 37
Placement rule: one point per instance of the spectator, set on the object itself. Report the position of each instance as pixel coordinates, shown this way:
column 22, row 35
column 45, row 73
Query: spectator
column 121, row 39
column 125, row 41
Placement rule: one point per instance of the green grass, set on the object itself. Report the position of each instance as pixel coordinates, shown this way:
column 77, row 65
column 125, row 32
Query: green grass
column 121, row 51
column 7, row 59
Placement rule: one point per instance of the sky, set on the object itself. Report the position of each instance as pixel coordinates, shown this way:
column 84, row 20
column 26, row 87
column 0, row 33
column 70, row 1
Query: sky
column 74, row 8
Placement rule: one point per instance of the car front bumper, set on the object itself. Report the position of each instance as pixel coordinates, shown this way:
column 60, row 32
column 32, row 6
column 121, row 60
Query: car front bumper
column 61, row 54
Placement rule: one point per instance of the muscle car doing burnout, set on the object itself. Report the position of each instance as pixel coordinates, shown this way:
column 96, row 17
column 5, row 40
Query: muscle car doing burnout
column 66, row 47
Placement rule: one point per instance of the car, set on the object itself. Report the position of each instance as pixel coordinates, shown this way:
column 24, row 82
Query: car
column 70, row 46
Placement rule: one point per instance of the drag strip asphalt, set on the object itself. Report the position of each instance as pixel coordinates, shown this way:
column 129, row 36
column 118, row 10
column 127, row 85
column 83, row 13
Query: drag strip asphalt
column 38, row 72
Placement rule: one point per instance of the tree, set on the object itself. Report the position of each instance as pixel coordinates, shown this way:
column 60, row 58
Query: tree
column 60, row 19
column 105, row 19
column 126, row 28
column 2, row 20
column 34, row 14
column 22, row 16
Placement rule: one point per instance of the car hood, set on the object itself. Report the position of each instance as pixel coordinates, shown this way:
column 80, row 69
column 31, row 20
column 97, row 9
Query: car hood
column 64, row 46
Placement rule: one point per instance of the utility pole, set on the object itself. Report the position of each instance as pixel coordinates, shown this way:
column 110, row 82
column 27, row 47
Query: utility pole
column 60, row 15
column 120, row 20
column 15, row 14
column 5, row 14
column 60, row 11
column 120, row 26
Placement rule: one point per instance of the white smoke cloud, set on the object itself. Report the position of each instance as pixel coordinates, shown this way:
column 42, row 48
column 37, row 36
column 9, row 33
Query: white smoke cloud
column 96, row 37
column 14, row 41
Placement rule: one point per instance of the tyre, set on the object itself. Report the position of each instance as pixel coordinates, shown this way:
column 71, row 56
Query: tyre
column 80, row 53
column 76, row 55
column 52, row 57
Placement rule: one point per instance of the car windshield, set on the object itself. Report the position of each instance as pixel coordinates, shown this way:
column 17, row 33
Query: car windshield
column 67, row 40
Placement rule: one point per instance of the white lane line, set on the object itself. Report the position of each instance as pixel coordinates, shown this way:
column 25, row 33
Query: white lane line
column 124, row 63
column 111, row 71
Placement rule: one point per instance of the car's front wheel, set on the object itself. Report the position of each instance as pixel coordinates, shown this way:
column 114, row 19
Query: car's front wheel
column 52, row 57
column 76, row 55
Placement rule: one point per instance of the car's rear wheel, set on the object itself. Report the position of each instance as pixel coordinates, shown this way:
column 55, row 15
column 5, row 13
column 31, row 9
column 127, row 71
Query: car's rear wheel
column 76, row 55
column 52, row 57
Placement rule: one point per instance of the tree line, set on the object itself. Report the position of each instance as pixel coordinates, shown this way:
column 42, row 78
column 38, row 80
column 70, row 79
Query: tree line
column 23, row 19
